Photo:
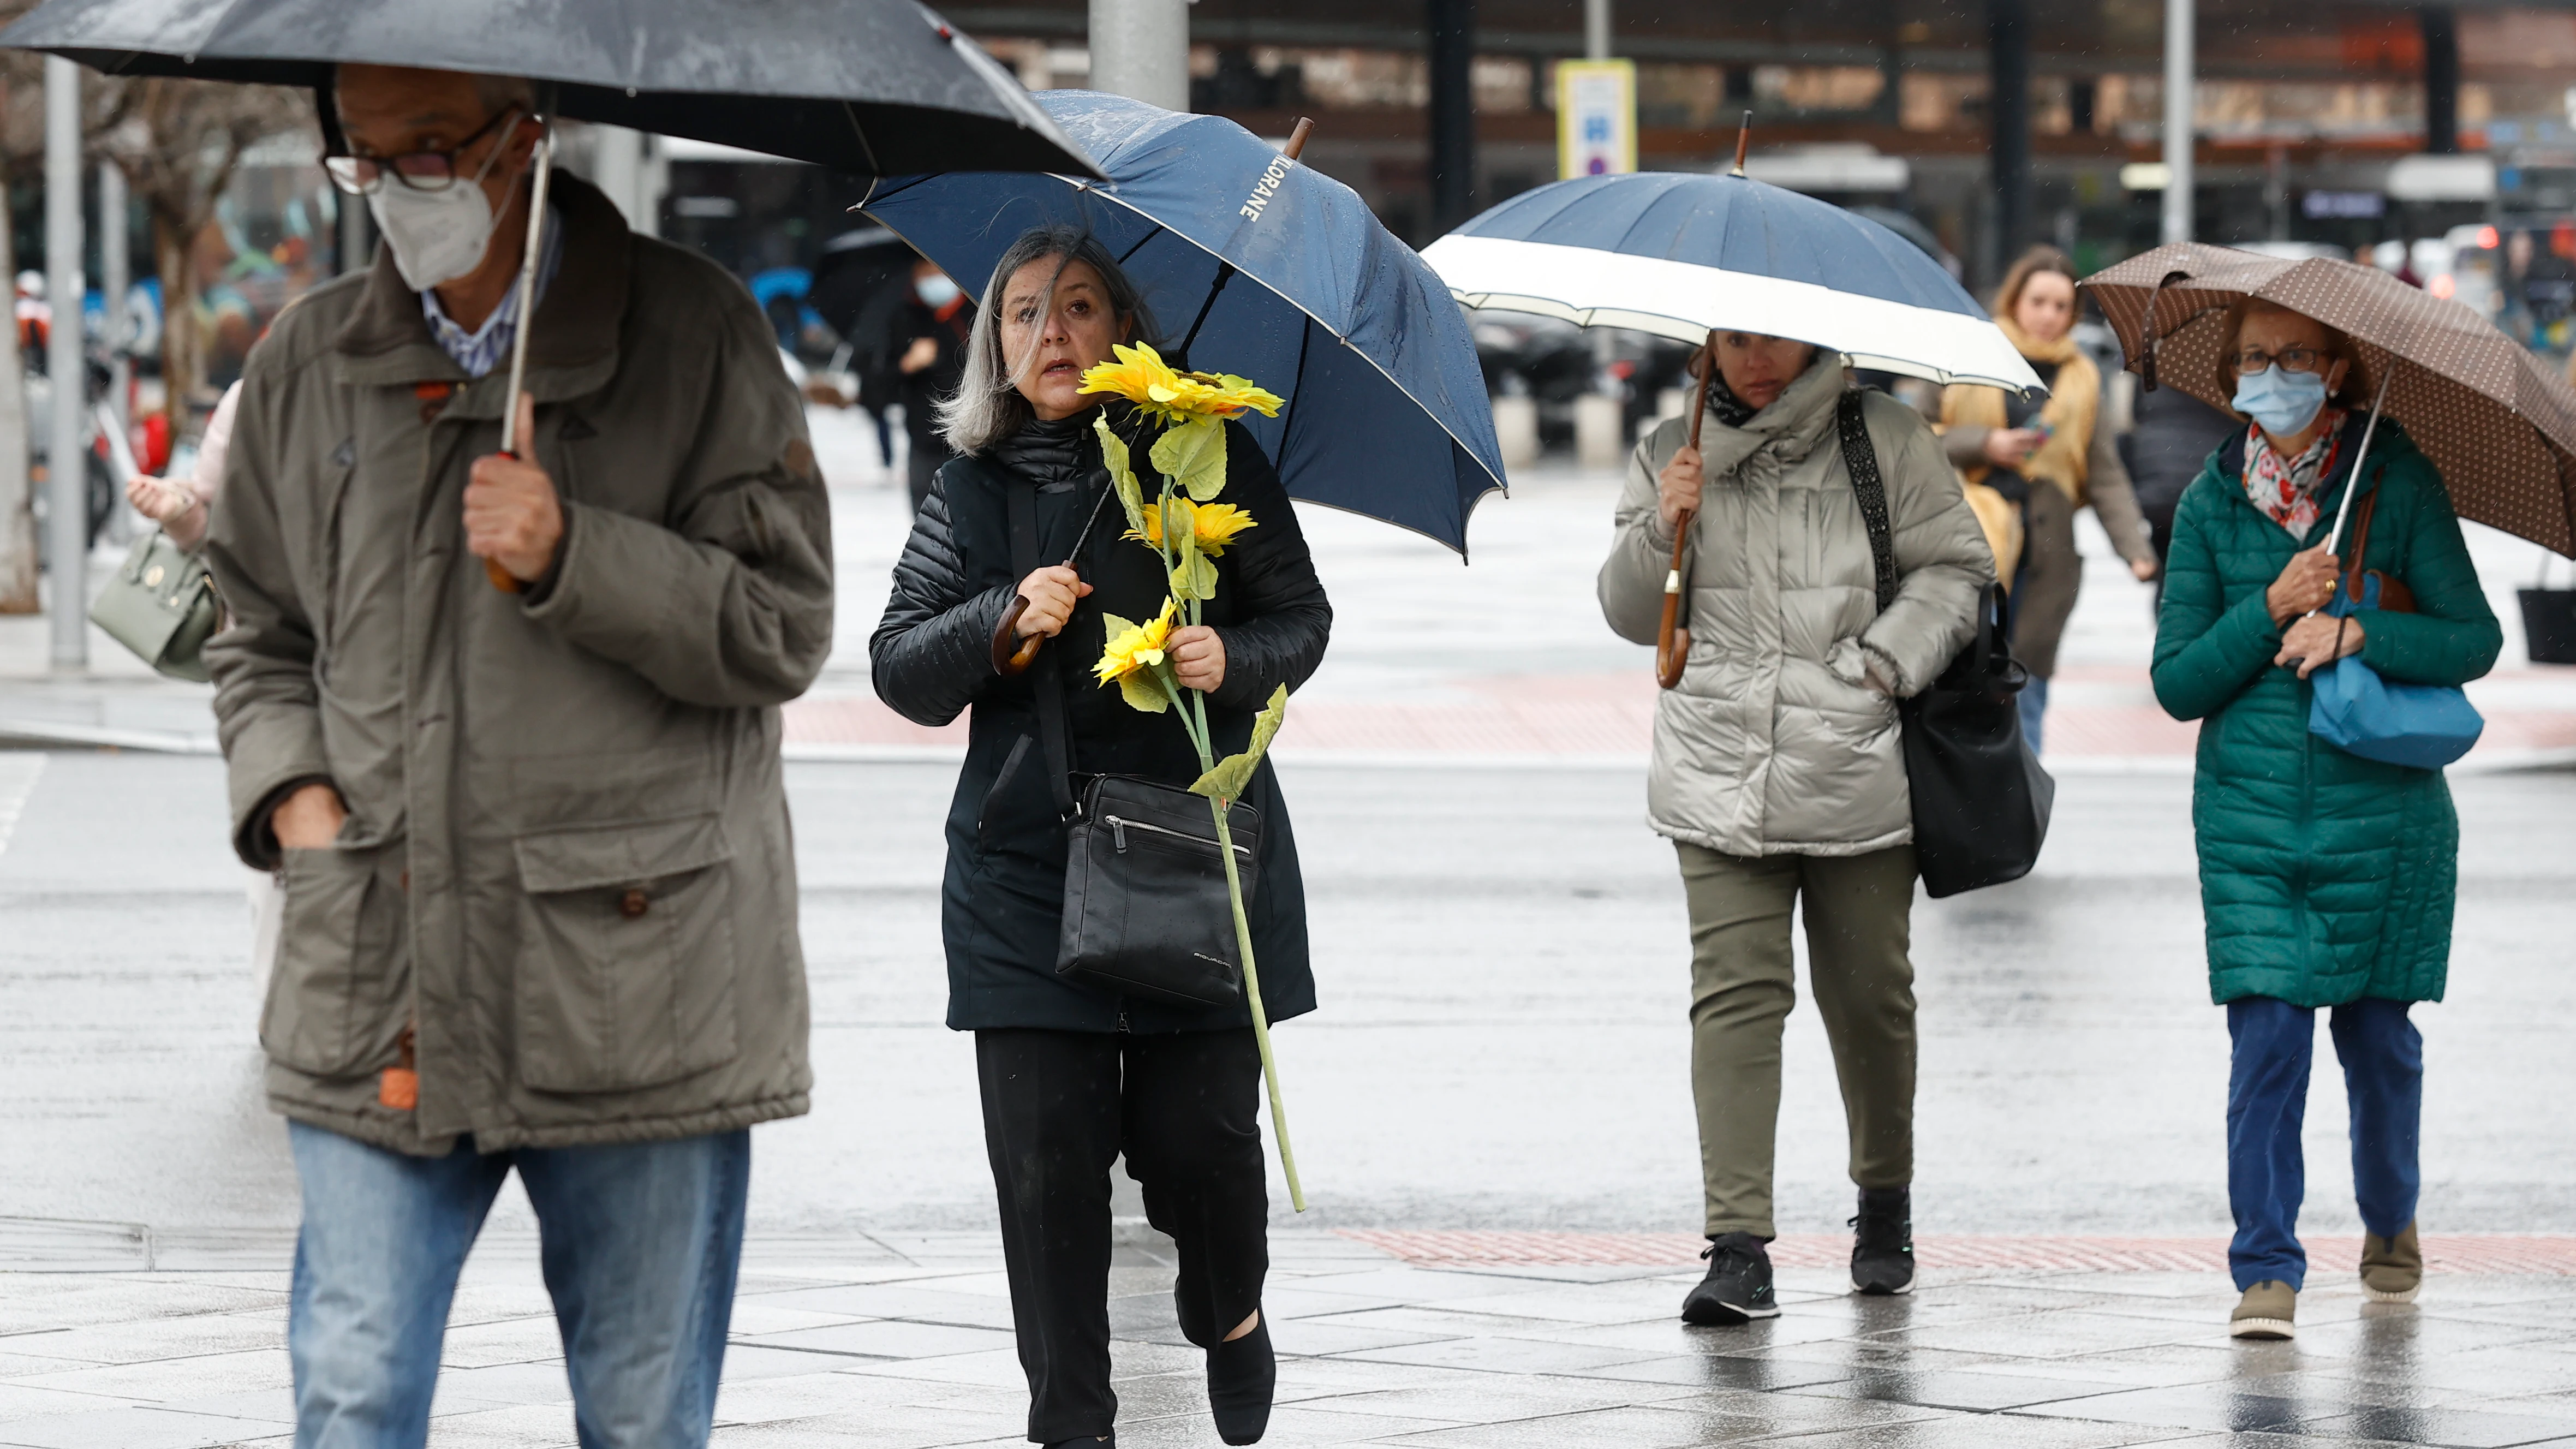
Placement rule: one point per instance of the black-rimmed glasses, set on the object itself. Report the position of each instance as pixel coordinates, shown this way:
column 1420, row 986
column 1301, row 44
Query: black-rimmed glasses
column 417, row 170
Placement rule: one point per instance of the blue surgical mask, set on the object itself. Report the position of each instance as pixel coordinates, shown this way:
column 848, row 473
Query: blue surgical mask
column 2283, row 402
column 935, row 290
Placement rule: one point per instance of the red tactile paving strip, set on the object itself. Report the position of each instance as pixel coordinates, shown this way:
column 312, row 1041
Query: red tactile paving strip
column 2543, row 1255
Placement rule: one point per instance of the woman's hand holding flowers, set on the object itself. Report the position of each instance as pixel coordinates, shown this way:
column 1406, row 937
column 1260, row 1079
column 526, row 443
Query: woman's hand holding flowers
column 1198, row 658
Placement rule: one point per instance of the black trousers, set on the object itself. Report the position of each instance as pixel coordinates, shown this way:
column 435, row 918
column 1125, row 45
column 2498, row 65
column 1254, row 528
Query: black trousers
column 1059, row 1106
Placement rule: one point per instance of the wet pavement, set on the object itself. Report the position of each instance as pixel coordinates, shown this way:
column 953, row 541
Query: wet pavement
column 1491, row 1110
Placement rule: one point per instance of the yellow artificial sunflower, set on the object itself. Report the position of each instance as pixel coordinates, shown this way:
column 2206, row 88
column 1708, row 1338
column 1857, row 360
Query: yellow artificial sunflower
column 1134, row 658
column 1142, row 377
column 1213, row 525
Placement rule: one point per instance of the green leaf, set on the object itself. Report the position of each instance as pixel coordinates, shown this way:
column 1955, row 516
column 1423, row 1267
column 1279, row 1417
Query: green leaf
column 1194, row 453
column 1143, row 691
column 1194, row 577
column 1234, row 773
column 1122, row 473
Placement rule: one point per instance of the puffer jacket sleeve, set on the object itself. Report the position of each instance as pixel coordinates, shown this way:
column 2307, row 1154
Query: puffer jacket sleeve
column 932, row 652
column 1631, row 585
column 727, row 600
column 267, row 704
column 1942, row 562
column 1286, row 619
column 2207, row 650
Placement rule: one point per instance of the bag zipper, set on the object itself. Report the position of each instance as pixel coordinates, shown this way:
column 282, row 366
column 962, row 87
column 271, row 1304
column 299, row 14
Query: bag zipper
column 1119, row 826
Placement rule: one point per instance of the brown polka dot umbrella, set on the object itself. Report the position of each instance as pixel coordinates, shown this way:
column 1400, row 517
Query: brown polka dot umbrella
column 2498, row 421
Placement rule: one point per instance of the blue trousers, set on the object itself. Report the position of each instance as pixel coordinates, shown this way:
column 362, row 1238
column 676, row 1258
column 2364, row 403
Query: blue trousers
column 641, row 1242
column 2267, row 1100
column 2033, row 704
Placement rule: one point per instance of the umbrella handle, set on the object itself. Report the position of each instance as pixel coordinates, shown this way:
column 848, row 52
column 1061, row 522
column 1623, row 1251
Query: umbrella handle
column 1672, row 640
column 1012, row 655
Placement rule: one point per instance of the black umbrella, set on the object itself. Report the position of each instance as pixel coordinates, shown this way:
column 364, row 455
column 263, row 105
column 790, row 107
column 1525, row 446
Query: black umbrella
column 872, row 87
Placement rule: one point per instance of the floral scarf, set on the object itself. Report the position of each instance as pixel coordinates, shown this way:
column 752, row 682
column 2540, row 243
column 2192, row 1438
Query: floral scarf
column 2286, row 488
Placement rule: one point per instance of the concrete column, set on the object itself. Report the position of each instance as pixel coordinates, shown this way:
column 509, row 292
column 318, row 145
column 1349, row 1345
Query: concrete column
column 1141, row 49
column 617, row 169
column 2179, row 103
column 2441, row 79
column 1453, row 112
column 1596, row 29
column 66, row 479
column 2008, row 109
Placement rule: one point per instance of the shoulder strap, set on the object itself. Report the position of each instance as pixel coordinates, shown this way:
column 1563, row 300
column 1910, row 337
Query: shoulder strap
column 1860, row 459
column 2359, row 543
column 1046, row 682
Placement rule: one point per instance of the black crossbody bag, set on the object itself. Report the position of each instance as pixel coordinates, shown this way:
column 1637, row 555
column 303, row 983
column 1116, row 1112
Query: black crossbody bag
column 1981, row 801
column 1145, row 906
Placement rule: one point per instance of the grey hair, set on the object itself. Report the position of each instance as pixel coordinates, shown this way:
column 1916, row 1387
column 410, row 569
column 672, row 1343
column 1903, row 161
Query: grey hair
column 498, row 91
column 987, row 407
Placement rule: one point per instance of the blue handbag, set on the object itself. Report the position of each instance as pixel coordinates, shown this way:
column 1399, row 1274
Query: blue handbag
column 2425, row 726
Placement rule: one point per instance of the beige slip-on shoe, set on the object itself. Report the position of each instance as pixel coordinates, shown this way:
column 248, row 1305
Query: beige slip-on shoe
column 2269, row 1309
column 2392, row 1269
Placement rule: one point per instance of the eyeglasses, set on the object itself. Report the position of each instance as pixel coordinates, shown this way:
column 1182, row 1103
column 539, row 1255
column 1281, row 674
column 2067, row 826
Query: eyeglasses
column 2292, row 359
column 417, row 170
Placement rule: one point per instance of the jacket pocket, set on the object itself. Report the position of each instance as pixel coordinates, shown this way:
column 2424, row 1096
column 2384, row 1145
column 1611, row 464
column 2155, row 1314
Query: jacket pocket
column 626, row 954
column 335, row 1003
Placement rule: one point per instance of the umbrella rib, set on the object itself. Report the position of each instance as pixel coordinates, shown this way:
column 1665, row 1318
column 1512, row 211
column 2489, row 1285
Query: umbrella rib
column 861, row 132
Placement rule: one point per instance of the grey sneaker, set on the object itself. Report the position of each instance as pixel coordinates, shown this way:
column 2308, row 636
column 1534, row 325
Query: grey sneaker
column 2269, row 1309
column 1738, row 1286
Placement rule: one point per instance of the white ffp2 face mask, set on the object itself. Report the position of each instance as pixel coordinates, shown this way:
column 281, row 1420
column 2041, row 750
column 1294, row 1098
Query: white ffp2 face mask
column 437, row 236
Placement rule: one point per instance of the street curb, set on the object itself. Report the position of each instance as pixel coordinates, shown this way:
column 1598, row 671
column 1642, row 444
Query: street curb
column 23, row 734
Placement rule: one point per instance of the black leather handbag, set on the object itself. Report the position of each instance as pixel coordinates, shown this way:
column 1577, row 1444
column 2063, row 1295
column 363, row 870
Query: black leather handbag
column 1981, row 801
column 1146, row 911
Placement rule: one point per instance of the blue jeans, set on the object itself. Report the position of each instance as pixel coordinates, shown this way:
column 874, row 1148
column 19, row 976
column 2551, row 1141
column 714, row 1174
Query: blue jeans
column 2267, row 1098
column 640, row 1246
column 2034, row 711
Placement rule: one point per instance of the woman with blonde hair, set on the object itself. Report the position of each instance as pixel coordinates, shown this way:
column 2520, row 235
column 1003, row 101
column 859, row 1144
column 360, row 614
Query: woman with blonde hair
column 2007, row 447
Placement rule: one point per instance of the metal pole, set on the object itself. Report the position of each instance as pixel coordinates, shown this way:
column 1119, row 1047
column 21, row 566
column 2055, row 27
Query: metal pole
column 1453, row 112
column 2008, row 55
column 1596, row 29
column 2178, row 119
column 1140, row 49
column 2441, row 79
column 66, row 475
column 113, row 280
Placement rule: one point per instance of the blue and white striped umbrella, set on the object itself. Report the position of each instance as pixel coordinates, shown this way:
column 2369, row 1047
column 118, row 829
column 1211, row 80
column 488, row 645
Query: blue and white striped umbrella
column 1681, row 254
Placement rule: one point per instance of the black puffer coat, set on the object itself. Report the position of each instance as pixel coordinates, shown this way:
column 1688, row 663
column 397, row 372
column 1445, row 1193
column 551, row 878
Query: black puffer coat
column 1004, row 891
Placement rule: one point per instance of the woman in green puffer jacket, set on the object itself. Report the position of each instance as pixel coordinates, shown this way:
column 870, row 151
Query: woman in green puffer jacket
column 2326, row 879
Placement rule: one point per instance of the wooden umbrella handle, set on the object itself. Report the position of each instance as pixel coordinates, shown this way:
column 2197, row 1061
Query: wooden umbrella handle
column 1012, row 655
column 1672, row 641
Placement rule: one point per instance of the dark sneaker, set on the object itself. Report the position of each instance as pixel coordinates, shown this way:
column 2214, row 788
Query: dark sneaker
column 1738, row 1286
column 1883, row 1242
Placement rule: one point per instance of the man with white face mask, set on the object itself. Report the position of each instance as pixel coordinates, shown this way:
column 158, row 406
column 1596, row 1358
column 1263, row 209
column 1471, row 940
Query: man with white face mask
column 507, row 728
column 915, row 332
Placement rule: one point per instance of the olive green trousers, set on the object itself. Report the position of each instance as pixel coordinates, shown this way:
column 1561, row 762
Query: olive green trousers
column 1743, row 984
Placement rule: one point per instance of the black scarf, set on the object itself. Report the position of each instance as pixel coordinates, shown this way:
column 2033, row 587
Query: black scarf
column 1729, row 409
column 1057, row 455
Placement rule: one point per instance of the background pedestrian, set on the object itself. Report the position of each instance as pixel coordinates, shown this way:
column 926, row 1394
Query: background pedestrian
column 2015, row 444
column 1073, row 1075
column 915, row 335
column 1777, row 770
column 2327, row 880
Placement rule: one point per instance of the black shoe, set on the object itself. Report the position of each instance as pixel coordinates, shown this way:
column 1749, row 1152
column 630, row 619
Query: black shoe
column 1738, row 1286
column 1242, row 1375
column 1104, row 1441
column 1883, row 1242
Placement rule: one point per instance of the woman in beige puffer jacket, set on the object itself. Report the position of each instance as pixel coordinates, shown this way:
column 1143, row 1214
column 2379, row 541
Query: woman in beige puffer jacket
column 1779, row 772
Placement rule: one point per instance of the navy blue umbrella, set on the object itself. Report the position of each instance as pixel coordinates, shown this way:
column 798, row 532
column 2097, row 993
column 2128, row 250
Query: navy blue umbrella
column 1682, row 254
column 1258, row 266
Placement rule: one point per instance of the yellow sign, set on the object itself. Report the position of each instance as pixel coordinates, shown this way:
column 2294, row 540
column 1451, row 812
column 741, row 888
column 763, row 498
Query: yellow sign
column 1596, row 117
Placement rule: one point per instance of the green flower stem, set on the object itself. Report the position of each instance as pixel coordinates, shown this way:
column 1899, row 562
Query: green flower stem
column 1260, row 1017
column 1242, row 937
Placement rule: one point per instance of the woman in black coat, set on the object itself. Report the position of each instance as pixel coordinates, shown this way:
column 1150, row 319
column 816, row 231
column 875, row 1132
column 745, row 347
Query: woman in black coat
column 1072, row 1075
